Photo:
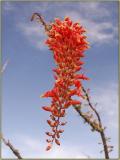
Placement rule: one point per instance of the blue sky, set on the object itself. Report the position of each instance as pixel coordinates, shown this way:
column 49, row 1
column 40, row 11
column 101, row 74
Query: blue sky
column 29, row 74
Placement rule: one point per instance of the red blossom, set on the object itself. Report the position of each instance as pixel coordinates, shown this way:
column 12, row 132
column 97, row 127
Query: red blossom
column 47, row 108
column 48, row 147
column 57, row 142
column 68, row 43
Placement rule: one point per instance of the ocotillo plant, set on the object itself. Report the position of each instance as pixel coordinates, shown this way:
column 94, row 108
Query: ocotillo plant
column 68, row 43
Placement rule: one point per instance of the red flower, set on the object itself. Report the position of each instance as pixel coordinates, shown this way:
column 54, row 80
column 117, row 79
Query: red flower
column 68, row 44
column 74, row 102
column 81, row 76
column 57, row 142
column 48, row 147
column 47, row 108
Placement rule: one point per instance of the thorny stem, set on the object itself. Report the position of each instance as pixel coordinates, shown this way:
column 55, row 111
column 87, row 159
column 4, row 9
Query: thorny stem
column 89, row 103
column 14, row 150
column 86, row 119
column 102, row 134
column 100, row 130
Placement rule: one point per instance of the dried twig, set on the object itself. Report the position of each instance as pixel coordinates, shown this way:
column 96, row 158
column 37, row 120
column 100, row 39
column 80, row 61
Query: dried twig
column 14, row 150
column 99, row 128
column 88, row 120
column 41, row 20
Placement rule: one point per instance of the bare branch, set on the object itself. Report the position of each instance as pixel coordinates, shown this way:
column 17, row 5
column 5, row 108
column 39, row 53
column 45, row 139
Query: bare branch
column 100, row 123
column 41, row 20
column 88, row 120
column 14, row 150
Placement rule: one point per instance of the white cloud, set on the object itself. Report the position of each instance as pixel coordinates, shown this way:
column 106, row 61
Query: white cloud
column 34, row 33
column 34, row 148
column 93, row 10
column 97, row 33
column 107, row 99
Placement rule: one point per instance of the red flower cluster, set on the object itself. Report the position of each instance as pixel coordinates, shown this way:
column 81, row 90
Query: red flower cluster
column 68, row 43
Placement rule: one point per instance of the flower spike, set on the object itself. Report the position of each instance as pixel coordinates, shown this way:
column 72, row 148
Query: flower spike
column 68, row 44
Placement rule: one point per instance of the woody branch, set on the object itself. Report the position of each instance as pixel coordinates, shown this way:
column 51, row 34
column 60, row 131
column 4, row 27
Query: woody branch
column 98, row 127
column 11, row 147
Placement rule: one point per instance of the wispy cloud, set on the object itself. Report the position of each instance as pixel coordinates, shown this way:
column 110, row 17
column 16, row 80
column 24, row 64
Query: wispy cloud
column 93, row 10
column 107, row 99
column 34, row 33
column 34, row 148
